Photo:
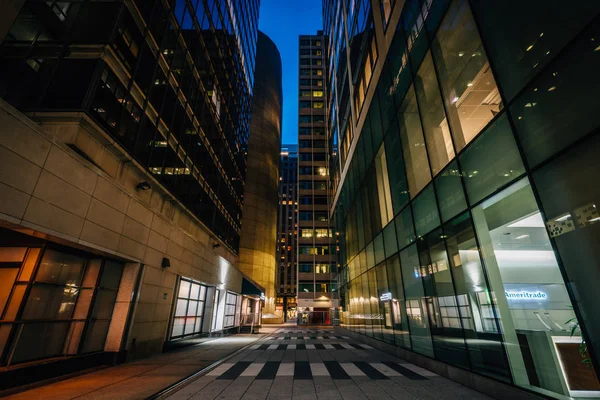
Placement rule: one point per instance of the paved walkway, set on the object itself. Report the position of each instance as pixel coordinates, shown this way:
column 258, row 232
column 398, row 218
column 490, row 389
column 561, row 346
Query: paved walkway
column 314, row 363
column 143, row 378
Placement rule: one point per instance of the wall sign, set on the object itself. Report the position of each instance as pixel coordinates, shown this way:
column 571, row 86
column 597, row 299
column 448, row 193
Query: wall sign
column 385, row 297
column 526, row 295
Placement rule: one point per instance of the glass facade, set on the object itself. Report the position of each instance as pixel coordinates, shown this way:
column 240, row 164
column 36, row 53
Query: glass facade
column 169, row 80
column 467, row 211
column 189, row 309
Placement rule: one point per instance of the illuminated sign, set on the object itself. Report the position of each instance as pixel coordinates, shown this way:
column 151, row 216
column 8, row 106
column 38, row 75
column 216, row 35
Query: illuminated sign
column 262, row 296
column 526, row 295
column 385, row 297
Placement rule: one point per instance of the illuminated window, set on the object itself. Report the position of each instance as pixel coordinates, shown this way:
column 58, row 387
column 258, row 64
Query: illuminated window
column 317, row 93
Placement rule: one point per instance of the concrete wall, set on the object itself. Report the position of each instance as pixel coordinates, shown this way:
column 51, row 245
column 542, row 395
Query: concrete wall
column 259, row 219
column 88, row 199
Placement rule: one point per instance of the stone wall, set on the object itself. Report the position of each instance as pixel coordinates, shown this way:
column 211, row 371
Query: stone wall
column 64, row 179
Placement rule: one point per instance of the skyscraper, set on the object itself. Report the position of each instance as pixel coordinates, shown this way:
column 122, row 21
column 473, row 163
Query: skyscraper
column 287, row 228
column 468, row 133
column 258, row 247
column 317, row 267
column 123, row 140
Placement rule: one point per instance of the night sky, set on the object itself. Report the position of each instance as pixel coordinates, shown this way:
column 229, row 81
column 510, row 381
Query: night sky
column 283, row 21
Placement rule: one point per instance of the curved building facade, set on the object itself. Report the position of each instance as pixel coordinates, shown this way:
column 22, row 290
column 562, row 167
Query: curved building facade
column 259, row 221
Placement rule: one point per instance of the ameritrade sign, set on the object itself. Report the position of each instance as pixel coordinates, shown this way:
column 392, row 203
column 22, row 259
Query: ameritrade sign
column 525, row 295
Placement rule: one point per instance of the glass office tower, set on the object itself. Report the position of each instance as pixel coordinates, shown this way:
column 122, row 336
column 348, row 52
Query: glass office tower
column 170, row 80
column 317, row 267
column 465, row 190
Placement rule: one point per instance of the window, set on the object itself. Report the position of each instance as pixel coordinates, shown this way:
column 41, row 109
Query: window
column 232, row 309
column 306, row 287
column 318, row 104
column 304, row 104
column 559, row 106
column 529, row 289
column 425, row 211
column 68, row 308
column 413, row 144
column 450, row 193
column 470, row 92
column 534, row 39
column 317, row 93
column 305, row 268
column 483, row 170
column 435, row 124
column 189, row 309
column 383, row 187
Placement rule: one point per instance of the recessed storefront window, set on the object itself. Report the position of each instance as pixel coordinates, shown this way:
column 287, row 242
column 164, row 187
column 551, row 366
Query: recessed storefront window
column 536, row 315
column 189, row 309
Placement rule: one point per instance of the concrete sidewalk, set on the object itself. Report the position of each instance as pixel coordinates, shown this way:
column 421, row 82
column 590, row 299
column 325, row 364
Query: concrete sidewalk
column 141, row 379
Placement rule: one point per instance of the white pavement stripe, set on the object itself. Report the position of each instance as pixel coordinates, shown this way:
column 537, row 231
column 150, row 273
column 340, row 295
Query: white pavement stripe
column 328, row 346
column 346, row 346
column 345, row 337
column 320, row 337
column 352, row 369
column 310, row 347
column 273, row 347
column 365, row 346
column 220, row 369
column 291, row 347
column 285, row 369
column 254, row 347
column 384, row 369
column 306, row 337
column 419, row 370
column 253, row 369
column 319, row 369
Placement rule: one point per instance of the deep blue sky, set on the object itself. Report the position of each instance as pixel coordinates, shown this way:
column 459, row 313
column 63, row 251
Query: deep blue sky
column 283, row 21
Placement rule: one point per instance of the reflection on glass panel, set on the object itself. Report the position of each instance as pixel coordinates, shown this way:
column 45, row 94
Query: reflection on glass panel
column 40, row 340
column 450, row 193
column 570, row 197
column 482, row 335
column 376, row 317
column 111, row 275
column 470, row 92
column 181, row 308
column 536, row 313
column 447, row 312
column 405, row 230
column 416, row 308
column 104, row 304
column 389, row 240
column 61, row 268
column 413, row 144
column 561, row 105
column 95, row 336
column 384, row 299
column 435, row 123
column 425, row 211
column 378, row 248
column 195, row 291
column 383, row 187
column 537, row 32
column 396, row 171
column 398, row 306
column 483, row 171
column 50, row 302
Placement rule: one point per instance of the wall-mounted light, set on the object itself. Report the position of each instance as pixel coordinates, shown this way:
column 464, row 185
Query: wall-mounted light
column 166, row 263
column 143, row 186
column 216, row 245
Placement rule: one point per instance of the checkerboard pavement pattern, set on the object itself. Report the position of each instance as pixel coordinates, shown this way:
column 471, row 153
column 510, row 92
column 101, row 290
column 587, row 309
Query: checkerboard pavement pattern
column 318, row 364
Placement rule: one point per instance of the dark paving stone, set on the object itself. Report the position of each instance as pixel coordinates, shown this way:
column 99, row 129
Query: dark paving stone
column 404, row 371
column 302, row 370
column 269, row 371
column 369, row 370
column 235, row 371
column 319, row 346
column 335, row 370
